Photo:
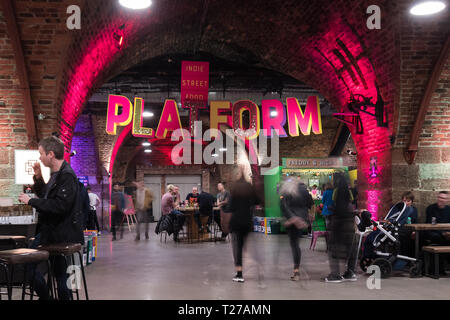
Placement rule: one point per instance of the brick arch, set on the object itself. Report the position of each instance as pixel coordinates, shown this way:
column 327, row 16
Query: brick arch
column 323, row 51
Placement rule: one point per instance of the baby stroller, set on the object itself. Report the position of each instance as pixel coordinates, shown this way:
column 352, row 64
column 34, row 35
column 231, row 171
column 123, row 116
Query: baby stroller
column 382, row 246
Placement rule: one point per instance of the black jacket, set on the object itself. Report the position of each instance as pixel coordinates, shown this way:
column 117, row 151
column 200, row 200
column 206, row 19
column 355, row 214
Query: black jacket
column 60, row 218
column 243, row 199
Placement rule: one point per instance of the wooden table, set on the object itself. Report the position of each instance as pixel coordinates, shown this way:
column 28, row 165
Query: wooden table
column 419, row 227
column 192, row 226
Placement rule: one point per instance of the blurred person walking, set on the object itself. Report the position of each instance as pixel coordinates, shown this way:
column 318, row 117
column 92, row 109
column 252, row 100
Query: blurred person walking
column 295, row 201
column 342, row 231
column 243, row 198
column 117, row 207
column 144, row 208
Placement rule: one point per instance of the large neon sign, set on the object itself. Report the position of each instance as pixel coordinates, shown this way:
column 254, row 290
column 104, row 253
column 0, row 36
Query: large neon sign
column 273, row 115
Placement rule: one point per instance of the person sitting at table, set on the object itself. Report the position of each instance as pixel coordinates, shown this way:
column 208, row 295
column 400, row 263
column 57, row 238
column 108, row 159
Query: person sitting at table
column 441, row 212
column 176, row 197
column 406, row 236
column 192, row 197
column 168, row 206
column 205, row 207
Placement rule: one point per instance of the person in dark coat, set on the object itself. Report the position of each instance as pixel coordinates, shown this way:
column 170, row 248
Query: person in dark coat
column 117, row 207
column 243, row 198
column 342, row 231
column 295, row 202
column 59, row 211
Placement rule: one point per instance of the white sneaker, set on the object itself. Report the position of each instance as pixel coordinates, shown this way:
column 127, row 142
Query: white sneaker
column 238, row 278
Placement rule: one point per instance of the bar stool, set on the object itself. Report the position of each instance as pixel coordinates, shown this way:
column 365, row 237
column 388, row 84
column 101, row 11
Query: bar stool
column 12, row 242
column 10, row 258
column 66, row 250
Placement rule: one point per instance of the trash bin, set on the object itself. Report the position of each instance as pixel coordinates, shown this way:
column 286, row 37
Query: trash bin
column 275, row 226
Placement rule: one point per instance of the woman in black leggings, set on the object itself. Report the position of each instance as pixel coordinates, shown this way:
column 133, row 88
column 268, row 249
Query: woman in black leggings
column 243, row 198
column 295, row 203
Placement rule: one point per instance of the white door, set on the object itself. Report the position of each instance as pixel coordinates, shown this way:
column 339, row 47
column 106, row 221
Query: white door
column 154, row 184
column 185, row 184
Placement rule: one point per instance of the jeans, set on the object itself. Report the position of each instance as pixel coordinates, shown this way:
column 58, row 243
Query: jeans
column 116, row 220
column 294, row 235
column 59, row 264
column 93, row 221
column 238, row 239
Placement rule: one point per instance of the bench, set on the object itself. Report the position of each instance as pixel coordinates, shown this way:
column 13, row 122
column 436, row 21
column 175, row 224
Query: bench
column 434, row 250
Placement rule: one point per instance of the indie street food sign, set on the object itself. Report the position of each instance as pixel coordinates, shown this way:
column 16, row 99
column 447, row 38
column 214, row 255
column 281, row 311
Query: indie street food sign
column 273, row 114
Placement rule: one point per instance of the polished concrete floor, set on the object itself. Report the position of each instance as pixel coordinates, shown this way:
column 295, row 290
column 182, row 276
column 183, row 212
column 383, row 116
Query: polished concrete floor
column 150, row 269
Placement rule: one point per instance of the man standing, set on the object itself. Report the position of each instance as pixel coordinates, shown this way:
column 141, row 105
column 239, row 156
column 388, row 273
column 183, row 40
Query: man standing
column 144, row 208
column 59, row 211
column 223, row 202
column 94, row 201
column 117, row 207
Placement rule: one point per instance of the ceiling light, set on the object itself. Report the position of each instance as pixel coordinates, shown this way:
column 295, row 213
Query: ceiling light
column 147, row 150
column 427, row 7
column 273, row 113
column 135, row 4
column 223, row 149
column 146, row 144
column 147, row 114
column 215, row 155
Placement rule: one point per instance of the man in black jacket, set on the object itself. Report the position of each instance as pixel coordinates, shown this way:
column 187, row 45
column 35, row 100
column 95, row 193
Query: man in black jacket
column 59, row 210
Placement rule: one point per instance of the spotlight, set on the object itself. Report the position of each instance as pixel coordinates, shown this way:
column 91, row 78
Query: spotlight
column 73, row 153
column 147, row 114
column 146, row 144
column 273, row 113
column 147, row 150
column 425, row 8
column 40, row 117
column 215, row 155
column 223, row 149
column 352, row 153
column 135, row 4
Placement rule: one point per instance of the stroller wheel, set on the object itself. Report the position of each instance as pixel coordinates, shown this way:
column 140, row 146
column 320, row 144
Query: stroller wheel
column 416, row 270
column 385, row 267
column 364, row 263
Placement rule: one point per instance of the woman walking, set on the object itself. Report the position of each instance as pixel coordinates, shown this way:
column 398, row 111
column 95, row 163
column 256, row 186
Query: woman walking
column 342, row 231
column 243, row 198
column 295, row 203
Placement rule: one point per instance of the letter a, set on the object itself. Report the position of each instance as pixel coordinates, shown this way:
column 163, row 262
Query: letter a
column 374, row 21
column 74, row 21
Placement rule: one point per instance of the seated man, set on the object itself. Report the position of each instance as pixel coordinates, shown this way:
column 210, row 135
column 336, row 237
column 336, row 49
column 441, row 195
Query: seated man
column 440, row 211
column 193, row 196
column 406, row 241
column 168, row 206
column 205, row 205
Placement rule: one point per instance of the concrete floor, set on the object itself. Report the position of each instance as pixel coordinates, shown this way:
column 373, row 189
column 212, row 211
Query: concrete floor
column 149, row 269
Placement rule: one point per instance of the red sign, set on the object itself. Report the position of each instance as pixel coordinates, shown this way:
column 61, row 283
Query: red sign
column 194, row 84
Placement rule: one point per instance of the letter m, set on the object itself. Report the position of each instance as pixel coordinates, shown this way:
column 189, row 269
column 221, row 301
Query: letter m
column 305, row 120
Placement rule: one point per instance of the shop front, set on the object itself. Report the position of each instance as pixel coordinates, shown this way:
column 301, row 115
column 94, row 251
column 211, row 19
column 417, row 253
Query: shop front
column 315, row 173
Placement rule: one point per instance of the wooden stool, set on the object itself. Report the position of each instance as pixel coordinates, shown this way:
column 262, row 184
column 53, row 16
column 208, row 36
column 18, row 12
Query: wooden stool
column 67, row 250
column 11, row 258
column 436, row 250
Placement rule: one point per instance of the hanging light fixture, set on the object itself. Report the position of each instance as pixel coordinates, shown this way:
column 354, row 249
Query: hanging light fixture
column 135, row 4
column 424, row 8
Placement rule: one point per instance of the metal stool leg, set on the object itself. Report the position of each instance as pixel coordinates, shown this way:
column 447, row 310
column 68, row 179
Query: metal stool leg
column 24, row 284
column 359, row 248
column 84, row 276
column 72, row 260
column 436, row 265
column 9, row 281
column 5, row 269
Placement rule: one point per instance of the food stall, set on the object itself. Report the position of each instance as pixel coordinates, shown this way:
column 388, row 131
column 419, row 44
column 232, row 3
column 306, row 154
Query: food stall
column 311, row 171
